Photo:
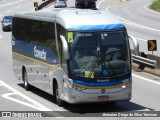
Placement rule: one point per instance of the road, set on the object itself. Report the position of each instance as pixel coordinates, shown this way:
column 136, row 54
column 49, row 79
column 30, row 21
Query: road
column 13, row 97
column 141, row 22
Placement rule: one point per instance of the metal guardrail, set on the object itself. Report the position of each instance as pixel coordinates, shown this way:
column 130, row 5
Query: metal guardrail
column 146, row 61
column 139, row 59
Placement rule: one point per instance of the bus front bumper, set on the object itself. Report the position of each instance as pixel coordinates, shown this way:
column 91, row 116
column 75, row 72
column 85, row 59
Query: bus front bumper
column 96, row 95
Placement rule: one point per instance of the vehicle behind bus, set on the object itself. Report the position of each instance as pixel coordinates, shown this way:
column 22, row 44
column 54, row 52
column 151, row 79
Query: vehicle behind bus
column 83, row 4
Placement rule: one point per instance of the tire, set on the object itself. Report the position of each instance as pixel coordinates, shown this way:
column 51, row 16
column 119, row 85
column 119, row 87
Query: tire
column 58, row 100
column 25, row 79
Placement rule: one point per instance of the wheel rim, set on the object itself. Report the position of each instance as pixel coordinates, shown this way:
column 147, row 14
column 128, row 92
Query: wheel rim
column 57, row 94
column 25, row 83
column 25, row 80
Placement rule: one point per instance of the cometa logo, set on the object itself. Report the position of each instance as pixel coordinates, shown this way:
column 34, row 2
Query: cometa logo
column 39, row 54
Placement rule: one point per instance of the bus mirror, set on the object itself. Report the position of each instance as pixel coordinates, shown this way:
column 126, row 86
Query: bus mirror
column 135, row 44
column 65, row 47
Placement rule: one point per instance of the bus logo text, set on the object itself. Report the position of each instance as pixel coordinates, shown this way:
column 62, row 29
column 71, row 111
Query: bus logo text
column 39, row 54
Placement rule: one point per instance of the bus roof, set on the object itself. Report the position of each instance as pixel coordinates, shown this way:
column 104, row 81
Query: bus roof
column 75, row 19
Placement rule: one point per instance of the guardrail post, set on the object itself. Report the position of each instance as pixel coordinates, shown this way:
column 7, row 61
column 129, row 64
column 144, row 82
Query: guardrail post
column 142, row 66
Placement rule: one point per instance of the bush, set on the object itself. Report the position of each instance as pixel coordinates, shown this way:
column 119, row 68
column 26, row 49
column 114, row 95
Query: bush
column 156, row 5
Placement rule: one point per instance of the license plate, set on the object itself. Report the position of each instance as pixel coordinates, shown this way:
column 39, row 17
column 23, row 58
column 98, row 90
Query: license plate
column 103, row 97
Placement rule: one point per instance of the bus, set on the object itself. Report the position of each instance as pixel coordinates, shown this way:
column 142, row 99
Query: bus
column 76, row 55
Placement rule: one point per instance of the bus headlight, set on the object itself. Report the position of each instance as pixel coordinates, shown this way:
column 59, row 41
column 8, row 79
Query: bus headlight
column 127, row 83
column 70, row 83
column 79, row 88
column 124, row 86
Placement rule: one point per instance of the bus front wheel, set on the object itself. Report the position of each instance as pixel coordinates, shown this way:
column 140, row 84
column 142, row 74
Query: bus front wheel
column 58, row 100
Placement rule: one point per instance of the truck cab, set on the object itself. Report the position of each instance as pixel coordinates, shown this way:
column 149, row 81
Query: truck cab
column 85, row 4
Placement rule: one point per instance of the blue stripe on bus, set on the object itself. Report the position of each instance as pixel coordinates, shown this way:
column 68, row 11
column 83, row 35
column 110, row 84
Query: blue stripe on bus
column 100, row 84
column 29, row 50
column 96, row 27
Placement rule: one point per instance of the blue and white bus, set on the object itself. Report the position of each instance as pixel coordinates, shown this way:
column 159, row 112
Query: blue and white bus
column 77, row 55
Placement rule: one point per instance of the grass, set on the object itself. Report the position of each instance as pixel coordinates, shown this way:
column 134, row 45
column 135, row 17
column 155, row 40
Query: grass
column 155, row 5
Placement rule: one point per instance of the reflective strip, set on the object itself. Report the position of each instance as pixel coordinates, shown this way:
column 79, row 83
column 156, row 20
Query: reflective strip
column 96, row 27
column 103, row 87
column 55, row 67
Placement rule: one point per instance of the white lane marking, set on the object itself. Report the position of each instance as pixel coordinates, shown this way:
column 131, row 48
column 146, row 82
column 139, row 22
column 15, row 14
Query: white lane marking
column 41, row 107
column 11, row 3
column 148, row 9
column 98, row 5
column 137, row 25
column 7, row 96
column 132, row 23
column 146, row 79
column 141, row 39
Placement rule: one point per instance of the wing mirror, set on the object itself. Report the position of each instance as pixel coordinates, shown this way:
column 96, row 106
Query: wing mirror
column 65, row 47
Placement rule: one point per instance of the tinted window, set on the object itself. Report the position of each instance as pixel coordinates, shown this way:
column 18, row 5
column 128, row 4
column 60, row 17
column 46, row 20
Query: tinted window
column 19, row 29
column 38, row 35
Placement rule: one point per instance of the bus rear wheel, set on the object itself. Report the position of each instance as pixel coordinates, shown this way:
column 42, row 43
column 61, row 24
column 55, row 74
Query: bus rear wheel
column 58, row 100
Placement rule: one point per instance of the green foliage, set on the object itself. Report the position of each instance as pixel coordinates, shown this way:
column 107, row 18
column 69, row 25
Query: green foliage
column 156, row 5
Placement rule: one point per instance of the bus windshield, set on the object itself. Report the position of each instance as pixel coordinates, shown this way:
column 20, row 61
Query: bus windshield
column 99, row 54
